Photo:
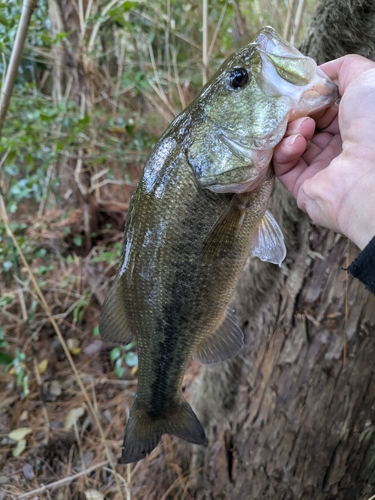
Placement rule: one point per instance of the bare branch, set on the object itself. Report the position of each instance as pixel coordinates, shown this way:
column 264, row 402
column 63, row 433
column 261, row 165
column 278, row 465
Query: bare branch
column 15, row 58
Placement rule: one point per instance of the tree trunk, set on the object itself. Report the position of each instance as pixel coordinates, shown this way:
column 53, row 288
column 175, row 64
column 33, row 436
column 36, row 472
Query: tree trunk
column 293, row 416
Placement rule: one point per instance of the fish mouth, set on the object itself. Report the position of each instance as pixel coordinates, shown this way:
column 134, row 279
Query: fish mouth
column 269, row 41
column 286, row 71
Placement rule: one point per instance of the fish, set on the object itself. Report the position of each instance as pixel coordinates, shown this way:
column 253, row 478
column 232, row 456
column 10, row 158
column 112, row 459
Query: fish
column 199, row 210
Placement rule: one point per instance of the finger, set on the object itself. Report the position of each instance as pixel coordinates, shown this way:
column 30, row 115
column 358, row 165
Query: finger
column 333, row 128
column 321, row 161
column 318, row 115
column 328, row 116
column 287, row 153
column 304, row 126
column 346, row 69
column 311, row 153
column 321, row 139
column 290, row 178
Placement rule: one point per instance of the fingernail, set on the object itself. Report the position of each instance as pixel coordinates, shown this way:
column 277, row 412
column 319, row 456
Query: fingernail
column 296, row 124
column 292, row 139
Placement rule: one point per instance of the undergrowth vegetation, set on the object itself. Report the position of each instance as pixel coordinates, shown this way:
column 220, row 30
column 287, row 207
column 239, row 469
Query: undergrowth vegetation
column 99, row 82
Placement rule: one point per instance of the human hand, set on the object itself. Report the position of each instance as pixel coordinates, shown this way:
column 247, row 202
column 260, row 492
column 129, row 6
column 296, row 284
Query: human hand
column 327, row 161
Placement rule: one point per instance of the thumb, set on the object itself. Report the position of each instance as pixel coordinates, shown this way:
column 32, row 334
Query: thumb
column 346, row 69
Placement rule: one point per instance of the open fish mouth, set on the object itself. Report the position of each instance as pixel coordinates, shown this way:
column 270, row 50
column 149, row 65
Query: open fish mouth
column 269, row 41
column 286, row 71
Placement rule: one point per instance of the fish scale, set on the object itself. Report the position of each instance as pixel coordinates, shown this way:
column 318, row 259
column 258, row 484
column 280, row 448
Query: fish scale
column 198, row 210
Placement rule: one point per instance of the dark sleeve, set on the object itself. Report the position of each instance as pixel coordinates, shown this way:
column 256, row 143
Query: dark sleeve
column 363, row 267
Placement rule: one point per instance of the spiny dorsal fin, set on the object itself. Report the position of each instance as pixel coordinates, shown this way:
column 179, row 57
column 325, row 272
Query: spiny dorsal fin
column 224, row 343
column 113, row 323
column 268, row 244
column 219, row 241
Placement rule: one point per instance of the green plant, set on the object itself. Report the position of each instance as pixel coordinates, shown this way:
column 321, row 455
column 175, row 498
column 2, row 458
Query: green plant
column 5, row 358
column 109, row 256
column 18, row 367
column 124, row 355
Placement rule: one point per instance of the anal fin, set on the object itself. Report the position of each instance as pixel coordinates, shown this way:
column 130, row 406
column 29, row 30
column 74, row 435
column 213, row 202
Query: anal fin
column 113, row 323
column 224, row 343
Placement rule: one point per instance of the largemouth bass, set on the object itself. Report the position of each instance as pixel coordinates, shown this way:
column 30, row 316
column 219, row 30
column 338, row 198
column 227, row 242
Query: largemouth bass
column 199, row 208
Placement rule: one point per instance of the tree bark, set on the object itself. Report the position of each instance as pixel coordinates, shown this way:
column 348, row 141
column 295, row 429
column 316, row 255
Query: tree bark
column 293, row 416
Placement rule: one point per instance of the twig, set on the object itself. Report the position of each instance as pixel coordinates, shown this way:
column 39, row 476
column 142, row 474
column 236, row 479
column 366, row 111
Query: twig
column 2, row 161
column 217, row 29
column 124, row 482
column 297, row 21
column 51, row 318
column 159, row 89
column 111, row 181
column 97, row 25
column 42, row 398
column 167, row 58
column 179, row 479
column 177, row 78
column 120, row 70
column 204, row 41
column 63, row 481
column 288, row 22
column 15, row 58
column 48, row 178
column 178, row 35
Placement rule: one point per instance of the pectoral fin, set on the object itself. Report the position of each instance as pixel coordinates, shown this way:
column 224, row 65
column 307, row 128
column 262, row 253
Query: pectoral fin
column 219, row 241
column 224, row 343
column 268, row 244
column 113, row 323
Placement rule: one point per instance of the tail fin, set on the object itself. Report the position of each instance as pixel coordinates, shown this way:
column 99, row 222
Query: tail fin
column 143, row 431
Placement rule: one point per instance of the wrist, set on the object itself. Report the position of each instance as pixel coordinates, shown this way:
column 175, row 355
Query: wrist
column 356, row 216
column 362, row 226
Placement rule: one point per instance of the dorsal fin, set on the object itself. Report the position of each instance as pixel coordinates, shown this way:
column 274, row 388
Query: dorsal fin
column 113, row 323
column 224, row 343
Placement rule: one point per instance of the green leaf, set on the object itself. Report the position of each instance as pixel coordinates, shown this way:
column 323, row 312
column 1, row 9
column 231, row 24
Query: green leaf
column 5, row 358
column 77, row 240
column 131, row 359
column 20, row 373
column 95, row 331
column 119, row 369
column 129, row 346
column 7, row 265
column 115, row 353
column 84, row 121
column 25, row 384
column 3, row 20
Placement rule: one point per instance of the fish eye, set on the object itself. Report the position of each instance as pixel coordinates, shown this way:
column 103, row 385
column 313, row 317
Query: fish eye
column 238, row 77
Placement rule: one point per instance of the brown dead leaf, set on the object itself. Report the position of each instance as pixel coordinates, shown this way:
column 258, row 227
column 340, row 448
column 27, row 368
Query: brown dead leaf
column 42, row 366
column 20, row 433
column 73, row 346
column 72, row 417
column 94, row 495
